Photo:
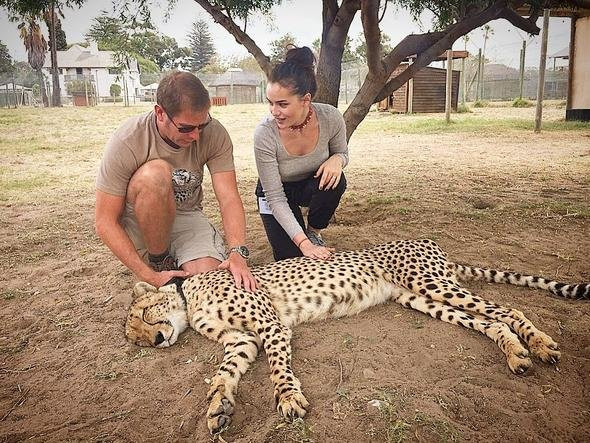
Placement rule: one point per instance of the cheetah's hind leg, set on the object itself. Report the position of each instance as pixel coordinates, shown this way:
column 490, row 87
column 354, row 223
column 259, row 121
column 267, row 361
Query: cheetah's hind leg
column 517, row 356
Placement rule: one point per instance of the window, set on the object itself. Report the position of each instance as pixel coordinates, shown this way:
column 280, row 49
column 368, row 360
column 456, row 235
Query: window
column 114, row 71
column 79, row 71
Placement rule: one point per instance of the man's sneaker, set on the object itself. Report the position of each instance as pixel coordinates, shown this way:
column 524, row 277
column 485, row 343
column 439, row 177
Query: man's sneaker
column 315, row 238
column 168, row 263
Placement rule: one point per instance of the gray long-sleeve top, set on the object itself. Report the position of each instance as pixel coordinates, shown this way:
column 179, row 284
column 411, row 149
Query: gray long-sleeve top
column 275, row 165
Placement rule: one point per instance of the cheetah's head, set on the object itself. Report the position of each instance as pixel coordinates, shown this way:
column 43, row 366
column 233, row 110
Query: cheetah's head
column 156, row 316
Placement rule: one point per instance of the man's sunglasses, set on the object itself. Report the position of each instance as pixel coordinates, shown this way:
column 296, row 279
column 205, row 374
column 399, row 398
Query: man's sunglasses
column 191, row 128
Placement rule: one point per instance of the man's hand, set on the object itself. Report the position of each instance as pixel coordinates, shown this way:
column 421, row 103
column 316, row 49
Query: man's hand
column 330, row 171
column 159, row 279
column 237, row 265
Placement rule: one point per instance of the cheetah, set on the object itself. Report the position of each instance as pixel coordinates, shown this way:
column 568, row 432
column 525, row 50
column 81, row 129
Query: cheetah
column 415, row 274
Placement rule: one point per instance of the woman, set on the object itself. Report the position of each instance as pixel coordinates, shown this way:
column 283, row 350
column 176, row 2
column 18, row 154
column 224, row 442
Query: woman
column 300, row 151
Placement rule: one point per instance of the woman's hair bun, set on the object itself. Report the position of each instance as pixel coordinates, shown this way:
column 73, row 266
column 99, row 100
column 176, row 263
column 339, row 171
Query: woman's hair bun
column 301, row 56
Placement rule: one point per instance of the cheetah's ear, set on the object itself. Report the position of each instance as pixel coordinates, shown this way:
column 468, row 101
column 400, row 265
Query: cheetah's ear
column 142, row 288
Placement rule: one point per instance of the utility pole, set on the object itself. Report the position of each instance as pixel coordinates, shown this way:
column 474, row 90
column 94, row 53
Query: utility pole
column 542, row 65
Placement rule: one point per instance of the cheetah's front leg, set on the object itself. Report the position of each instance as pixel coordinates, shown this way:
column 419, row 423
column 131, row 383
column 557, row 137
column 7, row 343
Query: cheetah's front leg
column 276, row 339
column 241, row 349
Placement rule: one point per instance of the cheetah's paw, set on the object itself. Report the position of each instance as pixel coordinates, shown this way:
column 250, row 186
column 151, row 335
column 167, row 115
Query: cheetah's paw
column 545, row 348
column 292, row 405
column 219, row 413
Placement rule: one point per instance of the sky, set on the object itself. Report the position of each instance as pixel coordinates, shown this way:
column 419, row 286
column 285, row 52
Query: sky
column 302, row 19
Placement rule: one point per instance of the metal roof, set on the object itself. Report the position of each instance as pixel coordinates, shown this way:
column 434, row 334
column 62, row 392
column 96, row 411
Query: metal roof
column 79, row 57
column 233, row 77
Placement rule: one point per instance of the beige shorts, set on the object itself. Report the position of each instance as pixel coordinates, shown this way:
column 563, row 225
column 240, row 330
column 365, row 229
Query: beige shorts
column 192, row 237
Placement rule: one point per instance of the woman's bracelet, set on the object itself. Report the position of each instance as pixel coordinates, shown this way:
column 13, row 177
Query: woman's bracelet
column 301, row 242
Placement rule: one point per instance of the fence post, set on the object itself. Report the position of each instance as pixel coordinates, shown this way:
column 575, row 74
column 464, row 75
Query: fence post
column 522, row 56
column 449, row 85
column 477, row 86
column 542, row 64
column 463, row 82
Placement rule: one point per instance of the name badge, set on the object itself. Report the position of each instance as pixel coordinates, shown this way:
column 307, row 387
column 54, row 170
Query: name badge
column 263, row 206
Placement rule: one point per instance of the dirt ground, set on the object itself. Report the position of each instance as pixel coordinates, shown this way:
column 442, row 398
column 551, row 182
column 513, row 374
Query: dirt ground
column 500, row 196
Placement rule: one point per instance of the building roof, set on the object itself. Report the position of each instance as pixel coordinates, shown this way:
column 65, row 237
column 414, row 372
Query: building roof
column 11, row 87
column 79, row 57
column 151, row 86
column 235, row 77
column 564, row 53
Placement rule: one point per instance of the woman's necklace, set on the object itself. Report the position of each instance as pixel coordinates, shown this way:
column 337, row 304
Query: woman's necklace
column 300, row 126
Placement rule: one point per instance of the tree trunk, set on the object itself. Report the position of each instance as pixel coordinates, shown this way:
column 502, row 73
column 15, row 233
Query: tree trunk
column 44, row 97
column 336, row 24
column 328, row 75
column 56, row 96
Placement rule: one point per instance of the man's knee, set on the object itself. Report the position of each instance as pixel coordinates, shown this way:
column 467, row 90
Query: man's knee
column 154, row 176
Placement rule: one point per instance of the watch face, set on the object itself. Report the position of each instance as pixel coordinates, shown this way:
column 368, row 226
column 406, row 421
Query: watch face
column 243, row 251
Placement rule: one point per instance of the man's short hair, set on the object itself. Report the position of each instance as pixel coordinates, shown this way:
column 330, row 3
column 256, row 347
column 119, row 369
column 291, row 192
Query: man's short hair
column 182, row 90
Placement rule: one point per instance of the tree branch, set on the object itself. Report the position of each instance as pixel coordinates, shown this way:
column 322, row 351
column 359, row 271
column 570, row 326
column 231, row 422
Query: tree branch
column 370, row 20
column 519, row 21
column 431, row 45
column 240, row 36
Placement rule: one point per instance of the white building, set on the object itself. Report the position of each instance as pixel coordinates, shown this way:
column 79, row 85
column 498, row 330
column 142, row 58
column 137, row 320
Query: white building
column 96, row 67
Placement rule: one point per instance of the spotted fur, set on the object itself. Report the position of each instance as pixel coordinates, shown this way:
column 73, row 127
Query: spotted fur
column 415, row 274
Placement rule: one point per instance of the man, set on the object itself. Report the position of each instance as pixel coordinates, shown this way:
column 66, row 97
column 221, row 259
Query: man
column 149, row 194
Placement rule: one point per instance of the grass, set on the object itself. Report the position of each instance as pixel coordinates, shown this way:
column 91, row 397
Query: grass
column 522, row 103
column 408, row 124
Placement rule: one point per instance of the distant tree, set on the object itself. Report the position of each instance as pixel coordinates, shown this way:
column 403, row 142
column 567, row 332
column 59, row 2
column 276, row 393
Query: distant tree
column 348, row 56
column 361, row 48
column 216, row 65
column 109, row 33
column 26, row 76
column 60, row 36
column 248, row 64
column 201, row 45
column 161, row 49
column 6, row 65
column 279, row 47
column 36, row 46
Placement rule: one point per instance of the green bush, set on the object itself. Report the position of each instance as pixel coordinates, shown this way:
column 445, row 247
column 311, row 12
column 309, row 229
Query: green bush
column 115, row 90
column 480, row 104
column 522, row 103
column 461, row 108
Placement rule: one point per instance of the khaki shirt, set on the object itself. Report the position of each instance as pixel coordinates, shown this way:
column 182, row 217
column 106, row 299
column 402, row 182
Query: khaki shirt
column 138, row 141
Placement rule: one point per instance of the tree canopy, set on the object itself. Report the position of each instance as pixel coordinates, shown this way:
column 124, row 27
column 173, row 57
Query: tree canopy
column 153, row 51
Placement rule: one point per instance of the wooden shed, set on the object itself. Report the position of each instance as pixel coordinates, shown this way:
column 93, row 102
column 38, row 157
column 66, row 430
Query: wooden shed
column 427, row 92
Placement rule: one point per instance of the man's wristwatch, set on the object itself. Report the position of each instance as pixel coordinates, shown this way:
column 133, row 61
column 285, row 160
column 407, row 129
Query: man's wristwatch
column 242, row 250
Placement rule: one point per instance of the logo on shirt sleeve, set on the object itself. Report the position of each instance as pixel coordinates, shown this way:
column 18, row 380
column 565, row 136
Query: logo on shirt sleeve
column 185, row 184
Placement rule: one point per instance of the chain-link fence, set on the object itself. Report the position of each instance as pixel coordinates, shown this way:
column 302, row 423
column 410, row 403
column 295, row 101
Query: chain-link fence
column 101, row 86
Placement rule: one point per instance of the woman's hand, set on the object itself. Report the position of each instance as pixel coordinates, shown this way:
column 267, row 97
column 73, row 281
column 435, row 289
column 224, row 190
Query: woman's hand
column 318, row 252
column 330, row 171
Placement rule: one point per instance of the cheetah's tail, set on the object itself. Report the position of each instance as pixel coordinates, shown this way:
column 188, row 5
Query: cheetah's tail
column 578, row 292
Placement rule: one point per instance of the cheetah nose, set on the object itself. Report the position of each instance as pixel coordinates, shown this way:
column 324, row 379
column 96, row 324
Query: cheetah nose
column 159, row 338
